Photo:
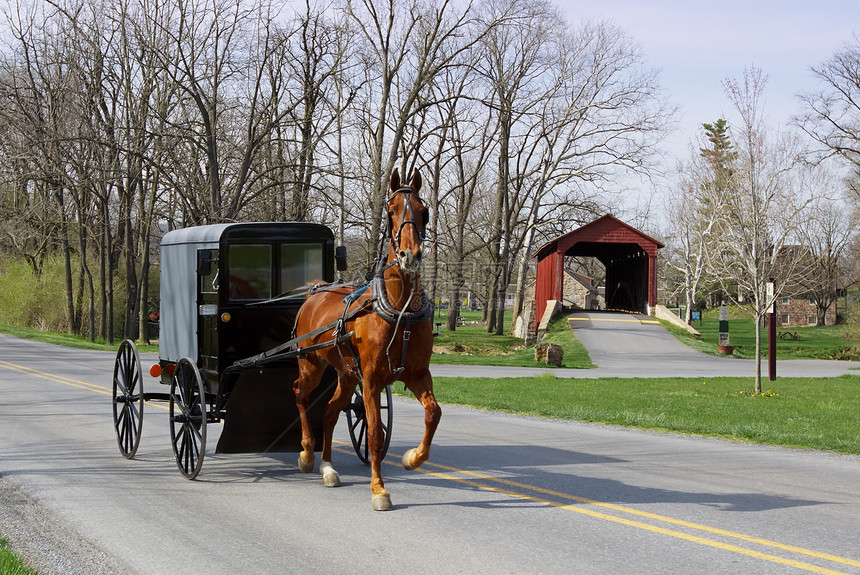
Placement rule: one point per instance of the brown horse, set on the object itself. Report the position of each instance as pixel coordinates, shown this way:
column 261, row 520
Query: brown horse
column 378, row 353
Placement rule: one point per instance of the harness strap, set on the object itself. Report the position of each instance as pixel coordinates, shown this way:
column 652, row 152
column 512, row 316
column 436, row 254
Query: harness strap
column 291, row 348
column 355, row 295
column 355, row 366
column 383, row 308
column 406, row 336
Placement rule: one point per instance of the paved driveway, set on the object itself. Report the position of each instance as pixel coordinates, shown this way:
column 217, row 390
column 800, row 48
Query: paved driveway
column 636, row 345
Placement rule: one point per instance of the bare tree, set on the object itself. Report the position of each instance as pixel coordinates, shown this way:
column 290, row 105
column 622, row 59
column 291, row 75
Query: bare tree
column 831, row 116
column 42, row 94
column 827, row 235
column 516, row 65
column 407, row 43
column 226, row 58
column 760, row 211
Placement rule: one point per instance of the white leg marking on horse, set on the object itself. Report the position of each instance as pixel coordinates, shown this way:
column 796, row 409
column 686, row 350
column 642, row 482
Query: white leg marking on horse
column 329, row 475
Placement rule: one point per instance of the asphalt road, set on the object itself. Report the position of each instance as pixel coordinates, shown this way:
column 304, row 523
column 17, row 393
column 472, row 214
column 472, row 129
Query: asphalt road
column 636, row 345
column 501, row 494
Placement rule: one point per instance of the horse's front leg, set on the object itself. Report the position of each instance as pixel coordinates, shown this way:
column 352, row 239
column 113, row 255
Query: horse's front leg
column 381, row 499
column 421, row 387
column 342, row 394
column 310, row 373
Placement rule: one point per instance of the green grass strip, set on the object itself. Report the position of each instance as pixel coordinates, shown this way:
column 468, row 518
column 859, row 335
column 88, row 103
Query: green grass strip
column 75, row 341
column 798, row 412
column 11, row 563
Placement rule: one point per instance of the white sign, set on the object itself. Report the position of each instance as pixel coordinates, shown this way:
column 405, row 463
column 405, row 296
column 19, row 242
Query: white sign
column 724, row 339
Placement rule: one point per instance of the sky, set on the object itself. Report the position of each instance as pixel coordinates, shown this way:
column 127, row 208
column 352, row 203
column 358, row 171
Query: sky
column 698, row 44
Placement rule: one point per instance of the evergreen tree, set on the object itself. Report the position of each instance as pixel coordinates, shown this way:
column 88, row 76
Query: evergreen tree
column 721, row 155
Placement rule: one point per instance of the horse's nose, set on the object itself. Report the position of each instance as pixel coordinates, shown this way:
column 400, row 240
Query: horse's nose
column 409, row 260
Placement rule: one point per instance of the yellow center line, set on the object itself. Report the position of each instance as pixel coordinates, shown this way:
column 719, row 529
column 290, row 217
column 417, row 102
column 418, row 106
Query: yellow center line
column 57, row 378
column 631, row 523
column 68, row 381
column 654, row 516
column 448, row 471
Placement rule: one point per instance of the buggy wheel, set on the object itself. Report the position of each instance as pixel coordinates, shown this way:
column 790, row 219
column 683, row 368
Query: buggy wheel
column 127, row 399
column 357, row 420
column 188, row 418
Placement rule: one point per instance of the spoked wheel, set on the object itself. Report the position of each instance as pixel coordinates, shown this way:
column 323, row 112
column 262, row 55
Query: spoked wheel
column 357, row 419
column 127, row 399
column 188, row 418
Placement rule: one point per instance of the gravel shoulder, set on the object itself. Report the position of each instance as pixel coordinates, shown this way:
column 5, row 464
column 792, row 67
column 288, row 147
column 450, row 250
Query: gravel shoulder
column 46, row 540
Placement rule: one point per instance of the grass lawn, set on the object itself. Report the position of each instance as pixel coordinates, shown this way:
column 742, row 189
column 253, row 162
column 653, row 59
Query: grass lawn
column 472, row 345
column 813, row 342
column 798, row 412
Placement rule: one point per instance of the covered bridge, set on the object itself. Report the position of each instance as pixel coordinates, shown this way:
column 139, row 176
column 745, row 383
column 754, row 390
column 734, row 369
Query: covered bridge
column 629, row 256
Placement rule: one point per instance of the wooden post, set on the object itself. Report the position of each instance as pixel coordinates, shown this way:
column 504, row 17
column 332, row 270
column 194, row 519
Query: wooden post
column 771, row 332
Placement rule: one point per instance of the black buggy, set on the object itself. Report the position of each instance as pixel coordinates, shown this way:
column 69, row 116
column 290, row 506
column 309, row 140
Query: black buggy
column 229, row 298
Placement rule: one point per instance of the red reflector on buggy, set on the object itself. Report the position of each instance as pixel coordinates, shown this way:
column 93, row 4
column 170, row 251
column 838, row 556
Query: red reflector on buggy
column 155, row 370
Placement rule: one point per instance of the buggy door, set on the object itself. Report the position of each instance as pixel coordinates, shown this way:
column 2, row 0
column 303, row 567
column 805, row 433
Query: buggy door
column 208, row 278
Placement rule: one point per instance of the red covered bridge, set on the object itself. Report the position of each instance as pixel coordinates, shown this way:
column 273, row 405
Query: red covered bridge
column 629, row 256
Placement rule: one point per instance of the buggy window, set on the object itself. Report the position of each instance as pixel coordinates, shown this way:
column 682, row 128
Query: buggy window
column 209, row 273
column 300, row 265
column 250, row 271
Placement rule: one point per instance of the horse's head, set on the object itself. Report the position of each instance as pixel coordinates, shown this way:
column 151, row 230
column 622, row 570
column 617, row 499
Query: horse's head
column 407, row 221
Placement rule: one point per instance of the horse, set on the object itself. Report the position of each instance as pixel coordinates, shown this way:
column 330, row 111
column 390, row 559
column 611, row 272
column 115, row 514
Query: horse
column 383, row 334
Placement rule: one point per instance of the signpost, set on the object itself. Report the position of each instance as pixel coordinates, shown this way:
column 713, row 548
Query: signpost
column 771, row 332
column 724, row 344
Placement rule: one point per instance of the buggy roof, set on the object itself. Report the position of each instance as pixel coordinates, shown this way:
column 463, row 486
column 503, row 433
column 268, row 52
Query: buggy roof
column 214, row 233
column 197, row 234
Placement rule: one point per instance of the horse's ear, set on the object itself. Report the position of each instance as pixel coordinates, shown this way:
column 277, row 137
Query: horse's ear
column 416, row 181
column 395, row 181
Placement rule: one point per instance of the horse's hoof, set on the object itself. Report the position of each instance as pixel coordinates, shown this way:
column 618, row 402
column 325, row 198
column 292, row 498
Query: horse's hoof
column 407, row 460
column 305, row 466
column 382, row 502
column 329, row 475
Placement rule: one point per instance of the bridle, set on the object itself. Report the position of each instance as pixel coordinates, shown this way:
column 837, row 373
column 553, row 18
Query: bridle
column 409, row 217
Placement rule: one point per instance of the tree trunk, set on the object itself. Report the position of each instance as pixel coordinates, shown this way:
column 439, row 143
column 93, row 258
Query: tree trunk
column 758, row 354
column 67, row 261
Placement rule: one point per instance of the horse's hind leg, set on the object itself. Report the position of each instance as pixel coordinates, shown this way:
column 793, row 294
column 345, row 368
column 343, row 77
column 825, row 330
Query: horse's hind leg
column 310, row 372
column 342, row 394
column 422, row 388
